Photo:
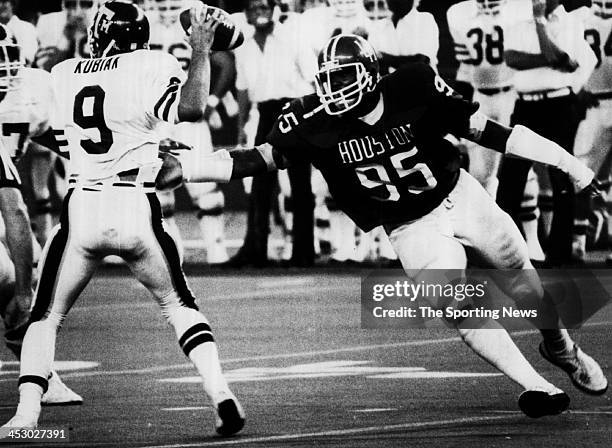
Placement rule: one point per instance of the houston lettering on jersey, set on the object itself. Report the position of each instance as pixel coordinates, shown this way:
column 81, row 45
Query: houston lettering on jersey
column 97, row 65
column 362, row 148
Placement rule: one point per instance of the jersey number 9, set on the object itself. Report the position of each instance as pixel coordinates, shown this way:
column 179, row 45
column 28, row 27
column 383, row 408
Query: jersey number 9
column 93, row 96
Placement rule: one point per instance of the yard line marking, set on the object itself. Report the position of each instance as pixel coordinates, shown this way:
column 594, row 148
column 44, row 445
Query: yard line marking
column 375, row 410
column 339, row 432
column 263, row 293
column 156, row 369
column 187, row 408
column 591, row 412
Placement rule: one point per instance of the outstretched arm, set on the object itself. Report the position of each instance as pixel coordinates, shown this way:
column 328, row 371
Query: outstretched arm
column 522, row 142
column 221, row 166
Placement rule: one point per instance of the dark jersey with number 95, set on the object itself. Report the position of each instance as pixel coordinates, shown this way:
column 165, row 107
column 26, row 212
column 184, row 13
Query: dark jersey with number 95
column 396, row 170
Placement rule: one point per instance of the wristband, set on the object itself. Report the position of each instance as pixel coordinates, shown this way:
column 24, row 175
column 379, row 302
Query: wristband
column 215, row 168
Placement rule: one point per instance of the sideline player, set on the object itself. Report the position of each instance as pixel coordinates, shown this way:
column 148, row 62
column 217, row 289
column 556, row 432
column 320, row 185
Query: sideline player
column 478, row 30
column 25, row 103
column 167, row 35
column 111, row 107
column 594, row 137
column 380, row 145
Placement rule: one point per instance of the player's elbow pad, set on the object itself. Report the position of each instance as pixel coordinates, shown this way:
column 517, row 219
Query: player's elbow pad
column 526, row 144
column 216, row 168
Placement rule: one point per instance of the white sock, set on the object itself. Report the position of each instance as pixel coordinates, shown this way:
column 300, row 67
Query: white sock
column 196, row 340
column 493, row 344
column 30, row 395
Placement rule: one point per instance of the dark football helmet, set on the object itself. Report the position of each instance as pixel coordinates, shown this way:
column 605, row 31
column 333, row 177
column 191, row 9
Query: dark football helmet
column 348, row 69
column 119, row 26
column 10, row 60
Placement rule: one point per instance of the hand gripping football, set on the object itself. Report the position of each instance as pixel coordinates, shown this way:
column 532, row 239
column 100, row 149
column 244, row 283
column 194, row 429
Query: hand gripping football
column 227, row 35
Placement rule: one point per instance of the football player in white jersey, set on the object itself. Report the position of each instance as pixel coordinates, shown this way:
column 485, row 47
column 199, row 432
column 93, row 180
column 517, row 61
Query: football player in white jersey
column 25, row 104
column 111, row 107
column 477, row 28
column 167, row 35
column 594, row 137
column 24, row 113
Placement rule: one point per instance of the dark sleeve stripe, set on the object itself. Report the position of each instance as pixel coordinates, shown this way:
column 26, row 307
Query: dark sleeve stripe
column 169, row 104
column 9, row 177
column 60, row 138
column 170, row 90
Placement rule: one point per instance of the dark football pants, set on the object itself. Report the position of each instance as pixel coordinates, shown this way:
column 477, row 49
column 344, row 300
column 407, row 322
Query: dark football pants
column 254, row 249
column 556, row 120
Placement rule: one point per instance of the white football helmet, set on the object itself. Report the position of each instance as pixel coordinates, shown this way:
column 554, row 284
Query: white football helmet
column 346, row 8
column 602, row 8
column 11, row 60
column 490, row 7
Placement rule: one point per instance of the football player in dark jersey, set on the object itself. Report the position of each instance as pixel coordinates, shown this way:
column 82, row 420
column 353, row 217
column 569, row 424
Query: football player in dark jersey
column 380, row 144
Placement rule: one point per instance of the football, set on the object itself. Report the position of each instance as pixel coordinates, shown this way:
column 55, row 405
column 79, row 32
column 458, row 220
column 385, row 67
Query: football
column 227, row 35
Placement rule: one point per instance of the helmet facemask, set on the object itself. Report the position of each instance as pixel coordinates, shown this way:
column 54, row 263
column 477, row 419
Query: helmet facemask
column 341, row 87
column 602, row 8
column 10, row 65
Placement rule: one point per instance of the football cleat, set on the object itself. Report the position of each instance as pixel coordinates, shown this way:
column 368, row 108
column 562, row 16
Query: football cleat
column 538, row 403
column 58, row 394
column 584, row 371
column 20, row 421
column 230, row 417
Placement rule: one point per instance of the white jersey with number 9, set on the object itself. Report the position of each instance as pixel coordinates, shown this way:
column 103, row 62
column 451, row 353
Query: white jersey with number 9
column 111, row 109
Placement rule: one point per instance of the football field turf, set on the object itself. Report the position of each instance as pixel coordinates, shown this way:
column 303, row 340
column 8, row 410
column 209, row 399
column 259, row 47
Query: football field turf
column 306, row 373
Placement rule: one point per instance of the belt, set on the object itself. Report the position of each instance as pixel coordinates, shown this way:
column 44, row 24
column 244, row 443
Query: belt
column 545, row 94
column 121, row 179
column 495, row 90
column 603, row 96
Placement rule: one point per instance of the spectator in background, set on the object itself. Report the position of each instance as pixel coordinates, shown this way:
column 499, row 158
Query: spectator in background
column 406, row 36
column 63, row 34
column 24, row 32
column 553, row 62
column 271, row 70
